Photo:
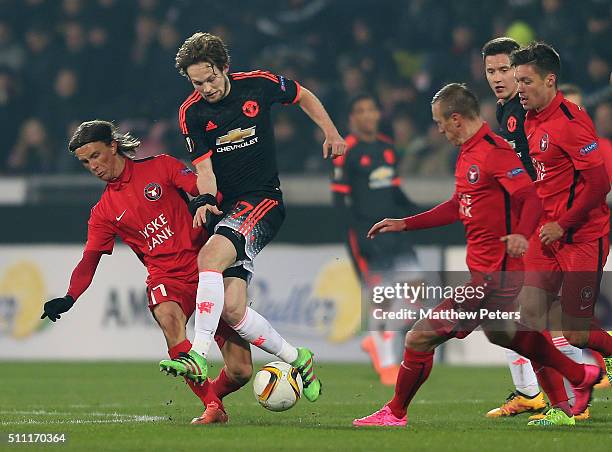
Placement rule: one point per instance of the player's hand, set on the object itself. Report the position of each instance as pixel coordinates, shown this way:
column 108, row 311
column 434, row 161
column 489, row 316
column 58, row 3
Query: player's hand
column 551, row 232
column 53, row 308
column 387, row 225
column 333, row 146
column 516, row 244
column 202, row 207
column 203, row 215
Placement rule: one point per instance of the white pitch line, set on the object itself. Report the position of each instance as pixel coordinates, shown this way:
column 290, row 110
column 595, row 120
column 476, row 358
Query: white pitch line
column 114, row 418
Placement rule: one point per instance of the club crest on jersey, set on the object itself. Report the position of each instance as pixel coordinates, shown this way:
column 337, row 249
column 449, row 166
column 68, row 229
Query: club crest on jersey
column 544, row 142
column 473, row 174
column 153, row 191
column 511, row 124
column 250, row 108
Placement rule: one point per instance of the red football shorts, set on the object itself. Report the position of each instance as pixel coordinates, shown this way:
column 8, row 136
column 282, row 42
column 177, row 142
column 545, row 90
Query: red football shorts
column 575, row 269
column 495, row 298
column 184, row 293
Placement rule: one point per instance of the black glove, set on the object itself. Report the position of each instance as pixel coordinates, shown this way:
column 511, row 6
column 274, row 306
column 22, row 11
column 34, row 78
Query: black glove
column 57, row 306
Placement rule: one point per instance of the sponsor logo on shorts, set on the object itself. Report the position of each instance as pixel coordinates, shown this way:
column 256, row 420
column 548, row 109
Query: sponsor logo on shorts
column 588, row 148
column 586, row 294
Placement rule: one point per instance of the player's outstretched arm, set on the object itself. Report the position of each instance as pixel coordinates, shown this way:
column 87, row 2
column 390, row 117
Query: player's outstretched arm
column 441, row 215
column 334, row 145
column 81, row 278
column 387, row 225
column 206, row 204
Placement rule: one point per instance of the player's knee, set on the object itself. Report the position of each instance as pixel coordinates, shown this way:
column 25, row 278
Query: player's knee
column 500, row 338
column 217, row 254
column 421, row 341
column 532, row 317
column 577, row 338
column 240, row 373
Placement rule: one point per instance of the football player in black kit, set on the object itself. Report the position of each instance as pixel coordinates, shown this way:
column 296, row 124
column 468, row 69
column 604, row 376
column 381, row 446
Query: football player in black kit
column 527, row 396
column 366, row 189
column 227, row 125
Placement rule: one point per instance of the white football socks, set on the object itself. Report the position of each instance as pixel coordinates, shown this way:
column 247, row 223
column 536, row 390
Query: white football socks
column 523, row 376
column 209, row 306
column 255, row 329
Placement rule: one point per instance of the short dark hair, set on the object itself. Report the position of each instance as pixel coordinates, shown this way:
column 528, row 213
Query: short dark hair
column 497, row 46
column 359, row 97
column 202, row 48
column 105, row 131
column 457, row 98
column 542, row 56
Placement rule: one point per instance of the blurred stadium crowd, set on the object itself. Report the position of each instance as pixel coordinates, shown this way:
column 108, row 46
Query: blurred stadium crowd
column 65, row 61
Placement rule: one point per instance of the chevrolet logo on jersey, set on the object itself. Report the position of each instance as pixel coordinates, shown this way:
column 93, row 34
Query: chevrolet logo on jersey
column 381, row 177
column 236, row 136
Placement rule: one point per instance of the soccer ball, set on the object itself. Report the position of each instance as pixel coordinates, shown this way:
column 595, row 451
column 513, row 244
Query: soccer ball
column 277, row 386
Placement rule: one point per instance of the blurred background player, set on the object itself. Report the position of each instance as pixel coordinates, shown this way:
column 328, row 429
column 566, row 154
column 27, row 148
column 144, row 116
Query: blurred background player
column 527, row 396
column 366, row 188
column 488, row 176
column 144, row 204
column 226, row 122
column 571, row 247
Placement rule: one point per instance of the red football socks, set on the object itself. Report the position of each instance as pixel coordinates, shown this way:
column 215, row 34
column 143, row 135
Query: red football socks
column 223, row 385
column 600, row 341
column 414, row 370
column 538, row 347
column 203, row 391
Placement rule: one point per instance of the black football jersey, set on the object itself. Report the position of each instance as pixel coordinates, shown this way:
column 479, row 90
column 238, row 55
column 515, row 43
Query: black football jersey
column 237, row 132
column 511, row 118
column 367, row 175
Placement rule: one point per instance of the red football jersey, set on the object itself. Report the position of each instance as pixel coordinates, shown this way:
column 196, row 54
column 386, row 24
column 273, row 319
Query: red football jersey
column 606, row 153
column 488, row 172
column 146, row 208
column 562, row 142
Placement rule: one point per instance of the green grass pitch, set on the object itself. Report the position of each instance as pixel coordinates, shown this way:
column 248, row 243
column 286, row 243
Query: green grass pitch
column 123, row 407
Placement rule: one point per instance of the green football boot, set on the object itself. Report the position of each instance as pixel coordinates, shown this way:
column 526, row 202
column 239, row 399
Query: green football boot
column 305, row 366
column 608, row 361
column 554, row 417
column 191, row 365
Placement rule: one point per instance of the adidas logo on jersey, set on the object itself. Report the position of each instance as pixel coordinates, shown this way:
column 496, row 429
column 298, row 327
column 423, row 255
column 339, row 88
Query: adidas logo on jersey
column 210, row 126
